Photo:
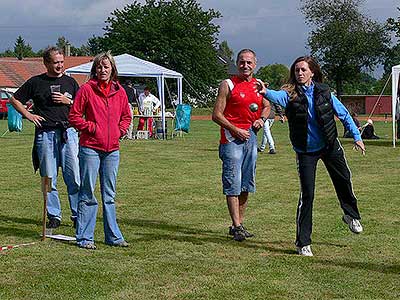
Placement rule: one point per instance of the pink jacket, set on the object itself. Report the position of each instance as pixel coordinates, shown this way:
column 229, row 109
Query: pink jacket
column 102, row 120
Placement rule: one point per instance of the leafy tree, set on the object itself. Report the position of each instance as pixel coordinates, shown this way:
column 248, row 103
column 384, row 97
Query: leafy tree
column 364, row 84
column 62, row 43
column 225, row 50
column 94, row 45
column 393, row 54
column 7, row 53
column 21, row 49
column 276, row 75
column 176, row 34
column 344, row 40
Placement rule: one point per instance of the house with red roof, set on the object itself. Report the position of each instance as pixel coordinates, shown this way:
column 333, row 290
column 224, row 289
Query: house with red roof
column 14, row 72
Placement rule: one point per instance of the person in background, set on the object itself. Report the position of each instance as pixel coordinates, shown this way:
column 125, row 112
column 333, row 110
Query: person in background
column 148, row 104
column 241, row 112
column 310, row 110
column 267, row 134
column 130, row 93
column 347, row 133
column 102, row 115
column 368, row 131
column 56, row 142
column 133, row 103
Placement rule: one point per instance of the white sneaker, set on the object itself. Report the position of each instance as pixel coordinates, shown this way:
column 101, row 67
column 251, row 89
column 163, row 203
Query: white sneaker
column 305, row 250
column 354, row 224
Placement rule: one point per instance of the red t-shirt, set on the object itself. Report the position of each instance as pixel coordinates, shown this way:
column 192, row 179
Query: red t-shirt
column 237, row 110
column 105, row 87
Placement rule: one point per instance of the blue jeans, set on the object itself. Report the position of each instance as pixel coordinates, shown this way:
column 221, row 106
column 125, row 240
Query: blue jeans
column 239, row 165
column 54, row 153
column 267, row 135
column 93, row 162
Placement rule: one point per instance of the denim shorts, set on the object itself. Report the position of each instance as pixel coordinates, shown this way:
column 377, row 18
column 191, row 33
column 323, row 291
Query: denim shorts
column 239, row 165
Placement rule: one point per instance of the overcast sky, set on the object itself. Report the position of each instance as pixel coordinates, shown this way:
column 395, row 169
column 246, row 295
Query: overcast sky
column 275, row 29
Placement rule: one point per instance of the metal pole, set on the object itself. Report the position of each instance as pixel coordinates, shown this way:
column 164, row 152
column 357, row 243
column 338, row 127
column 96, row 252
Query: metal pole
column 46, row 187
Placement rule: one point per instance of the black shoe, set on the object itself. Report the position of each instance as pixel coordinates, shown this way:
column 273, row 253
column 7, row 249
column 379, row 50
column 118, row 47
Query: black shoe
column 238, row 234
column 246, row 233
column 260, row 150
column 53, row 223
column 231, row 230
column 272, row 151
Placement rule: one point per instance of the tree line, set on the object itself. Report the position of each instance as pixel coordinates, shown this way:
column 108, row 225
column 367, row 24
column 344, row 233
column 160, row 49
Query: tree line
column 180, row 35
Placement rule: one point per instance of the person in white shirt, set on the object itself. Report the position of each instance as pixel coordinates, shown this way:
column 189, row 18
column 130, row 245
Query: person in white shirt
column 148, row 104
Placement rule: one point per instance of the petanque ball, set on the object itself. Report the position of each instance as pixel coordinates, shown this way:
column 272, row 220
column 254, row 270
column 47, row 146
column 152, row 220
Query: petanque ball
column 253, row 107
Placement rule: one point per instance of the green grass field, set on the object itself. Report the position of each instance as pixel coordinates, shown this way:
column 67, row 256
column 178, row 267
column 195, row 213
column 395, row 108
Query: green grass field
column 171, row 209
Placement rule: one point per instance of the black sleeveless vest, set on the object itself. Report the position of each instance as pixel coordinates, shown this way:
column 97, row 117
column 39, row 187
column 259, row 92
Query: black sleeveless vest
column 296, row 113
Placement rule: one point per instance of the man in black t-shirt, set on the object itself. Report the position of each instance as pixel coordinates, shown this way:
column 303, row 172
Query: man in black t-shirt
column 133, row 103
column 130, row 92
column 56, row 143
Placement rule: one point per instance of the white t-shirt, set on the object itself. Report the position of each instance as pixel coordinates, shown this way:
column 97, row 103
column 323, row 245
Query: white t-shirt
column 149, row 103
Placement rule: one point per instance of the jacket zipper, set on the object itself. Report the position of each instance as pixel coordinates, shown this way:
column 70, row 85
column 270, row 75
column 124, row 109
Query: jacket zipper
column 108, row 124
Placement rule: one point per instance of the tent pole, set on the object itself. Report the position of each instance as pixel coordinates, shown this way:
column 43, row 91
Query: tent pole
column 395, row 79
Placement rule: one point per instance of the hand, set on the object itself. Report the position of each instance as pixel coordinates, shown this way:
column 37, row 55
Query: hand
column 242, row 134
column 258, row 124
column 35, row 119
column 260, row 87
column 359, row 145
column 60, row 98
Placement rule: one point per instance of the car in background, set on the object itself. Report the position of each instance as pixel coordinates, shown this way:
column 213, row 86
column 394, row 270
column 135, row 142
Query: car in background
column 4, row 99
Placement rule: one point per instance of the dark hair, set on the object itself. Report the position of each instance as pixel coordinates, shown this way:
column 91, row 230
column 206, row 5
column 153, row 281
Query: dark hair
column 312, row 64
column 97, row 60
column 292, row 86
column 246, row 51
column 147, row 88
column 48, row 51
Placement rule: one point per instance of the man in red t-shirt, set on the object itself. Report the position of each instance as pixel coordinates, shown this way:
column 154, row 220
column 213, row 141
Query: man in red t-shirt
column 241, row 112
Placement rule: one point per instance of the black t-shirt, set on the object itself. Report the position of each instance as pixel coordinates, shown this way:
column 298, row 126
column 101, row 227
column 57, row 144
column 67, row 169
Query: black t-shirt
column 37, row 88
column 131, row 93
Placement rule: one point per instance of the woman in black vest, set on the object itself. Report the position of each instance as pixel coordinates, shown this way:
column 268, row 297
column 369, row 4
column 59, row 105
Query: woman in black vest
column 310, row 109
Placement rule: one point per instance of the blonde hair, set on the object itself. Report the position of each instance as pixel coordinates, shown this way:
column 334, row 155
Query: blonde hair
column 98, row 59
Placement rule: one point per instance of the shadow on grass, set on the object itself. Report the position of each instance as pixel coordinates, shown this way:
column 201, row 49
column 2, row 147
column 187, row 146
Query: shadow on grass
column 20, row 220
column 374, row 267
column 9, row 226
column 380, row 142
column 195, row 236
column 20, row 232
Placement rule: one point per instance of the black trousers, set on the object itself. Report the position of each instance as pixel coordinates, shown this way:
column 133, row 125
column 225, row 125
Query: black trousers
column 335, row 163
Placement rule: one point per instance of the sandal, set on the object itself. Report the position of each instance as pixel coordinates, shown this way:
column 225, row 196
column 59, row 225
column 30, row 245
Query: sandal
column 89, row 246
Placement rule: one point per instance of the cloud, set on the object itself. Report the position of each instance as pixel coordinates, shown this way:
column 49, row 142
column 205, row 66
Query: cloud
column 275, row 29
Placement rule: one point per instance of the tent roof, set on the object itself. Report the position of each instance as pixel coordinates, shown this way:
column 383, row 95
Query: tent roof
column 397, row 68
column 131, row 66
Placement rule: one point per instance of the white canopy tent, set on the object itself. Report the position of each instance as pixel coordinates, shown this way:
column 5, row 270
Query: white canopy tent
column 395, row 82
column 131, row 66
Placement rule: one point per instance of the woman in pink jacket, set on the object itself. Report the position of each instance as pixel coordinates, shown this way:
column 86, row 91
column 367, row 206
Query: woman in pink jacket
column 101, row 113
